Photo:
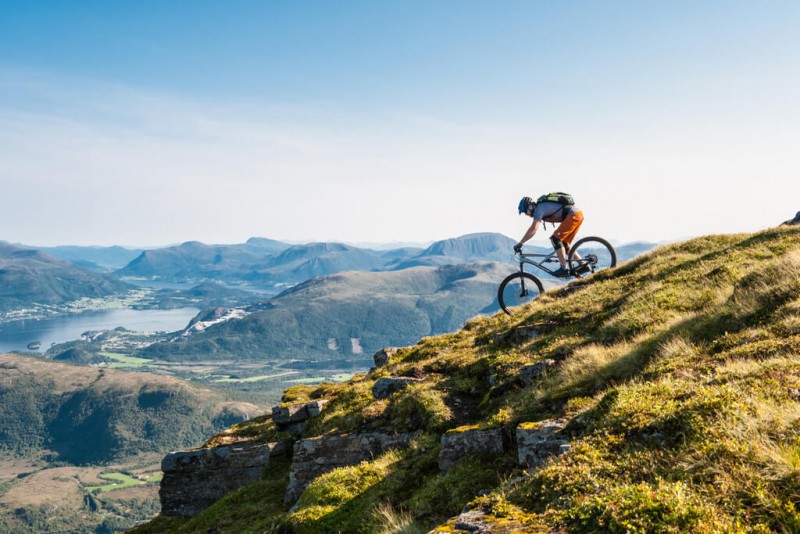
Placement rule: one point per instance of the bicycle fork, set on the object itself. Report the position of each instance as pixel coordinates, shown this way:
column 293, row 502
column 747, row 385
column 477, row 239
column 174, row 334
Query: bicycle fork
column 523, row 291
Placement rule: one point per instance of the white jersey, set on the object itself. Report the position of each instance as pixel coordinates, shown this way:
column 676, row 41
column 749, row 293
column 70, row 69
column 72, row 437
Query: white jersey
column 552, row 211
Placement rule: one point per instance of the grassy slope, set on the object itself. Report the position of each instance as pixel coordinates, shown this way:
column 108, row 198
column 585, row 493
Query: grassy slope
column 676, row 374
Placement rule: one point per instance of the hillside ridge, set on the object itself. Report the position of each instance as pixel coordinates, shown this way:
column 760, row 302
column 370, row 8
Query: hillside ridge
column 88, row 414
column 670, row 387
column 31, row 276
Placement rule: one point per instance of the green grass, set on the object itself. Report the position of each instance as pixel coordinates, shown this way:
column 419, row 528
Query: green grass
column 124, row 360
column 675, row 372
column 118, row 481
column 396, row 487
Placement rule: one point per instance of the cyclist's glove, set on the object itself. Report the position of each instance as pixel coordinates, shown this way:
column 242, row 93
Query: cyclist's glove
column 518, row 248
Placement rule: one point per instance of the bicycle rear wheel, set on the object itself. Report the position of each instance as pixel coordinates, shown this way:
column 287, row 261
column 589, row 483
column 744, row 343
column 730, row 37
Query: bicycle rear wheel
column 518, row 289
column 591, row 254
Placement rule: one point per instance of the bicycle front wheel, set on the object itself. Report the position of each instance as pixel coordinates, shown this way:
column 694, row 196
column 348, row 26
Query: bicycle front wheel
column 591, row 254
column 518, row 289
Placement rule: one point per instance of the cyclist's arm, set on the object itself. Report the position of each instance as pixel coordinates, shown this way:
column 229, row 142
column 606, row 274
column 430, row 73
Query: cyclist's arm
column 531, row 231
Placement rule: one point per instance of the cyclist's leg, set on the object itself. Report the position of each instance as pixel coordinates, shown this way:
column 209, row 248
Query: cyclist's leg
column 561, row 248
column 565, row 233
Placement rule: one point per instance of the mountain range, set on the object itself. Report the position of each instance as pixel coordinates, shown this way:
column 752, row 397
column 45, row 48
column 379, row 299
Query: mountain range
column 269, row 266
column 265, row 263
column 379, row 297
column 93, row 258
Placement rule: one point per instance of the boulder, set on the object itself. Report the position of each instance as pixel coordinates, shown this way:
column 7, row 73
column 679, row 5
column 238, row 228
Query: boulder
column 529, row 373
column 195, row 479
column 477, row 522
column 292, row 417
column 383, row 356
column 537, row 442
column 315, row 408
column 473, row 521
column 792, row 222
column 316, row 456
column 287, row 414
column 458, row 443
column 385, row 387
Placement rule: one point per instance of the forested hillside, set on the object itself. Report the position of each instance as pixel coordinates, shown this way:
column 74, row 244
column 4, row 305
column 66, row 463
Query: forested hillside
column 89, row 415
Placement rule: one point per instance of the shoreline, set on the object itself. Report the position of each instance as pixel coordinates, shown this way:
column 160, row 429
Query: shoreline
column 134, row 299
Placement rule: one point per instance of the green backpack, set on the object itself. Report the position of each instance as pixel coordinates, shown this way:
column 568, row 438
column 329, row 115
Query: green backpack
column 564, row 199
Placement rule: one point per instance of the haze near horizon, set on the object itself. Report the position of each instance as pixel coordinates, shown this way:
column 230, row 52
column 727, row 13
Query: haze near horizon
column 159, row 122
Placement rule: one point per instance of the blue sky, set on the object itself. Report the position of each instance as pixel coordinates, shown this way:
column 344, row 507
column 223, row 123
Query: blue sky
column 159, row 122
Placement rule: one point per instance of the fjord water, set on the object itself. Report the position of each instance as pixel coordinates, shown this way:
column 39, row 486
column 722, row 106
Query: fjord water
column 16, row 335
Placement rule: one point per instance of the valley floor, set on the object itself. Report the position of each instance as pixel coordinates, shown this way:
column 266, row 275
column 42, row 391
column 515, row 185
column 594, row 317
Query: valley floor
column 36, row 496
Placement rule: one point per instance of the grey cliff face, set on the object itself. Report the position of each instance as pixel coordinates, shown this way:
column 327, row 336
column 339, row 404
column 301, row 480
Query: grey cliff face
column 456, row 445
column 194, row 480
column 386, row 387
column 316, row 456
column 538, row 443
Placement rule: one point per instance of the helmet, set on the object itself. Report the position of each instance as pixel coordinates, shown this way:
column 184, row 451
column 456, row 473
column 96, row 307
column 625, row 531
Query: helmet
column 524, row 204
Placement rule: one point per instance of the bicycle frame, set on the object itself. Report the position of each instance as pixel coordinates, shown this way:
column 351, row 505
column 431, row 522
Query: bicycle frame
column 545, row 258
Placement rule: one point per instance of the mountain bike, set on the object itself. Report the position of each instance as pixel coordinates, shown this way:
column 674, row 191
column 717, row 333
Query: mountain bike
column 587, row 256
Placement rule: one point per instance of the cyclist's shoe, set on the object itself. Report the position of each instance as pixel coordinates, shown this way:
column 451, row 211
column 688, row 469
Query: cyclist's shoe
column 562, row 273
column 583, row 269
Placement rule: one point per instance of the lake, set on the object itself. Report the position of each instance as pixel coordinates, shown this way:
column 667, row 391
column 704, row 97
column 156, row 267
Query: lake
column 16, row 335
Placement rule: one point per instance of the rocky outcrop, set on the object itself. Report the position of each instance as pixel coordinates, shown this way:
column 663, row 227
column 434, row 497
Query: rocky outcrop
column 792, row 222
column 386, row 387
column 473, row 521
column 292, row 417
column 316, row 456
column 538, row 442
column 383, row 356
column 478, row 522
column 529, row 373
column 458, row 443
column 194, row 480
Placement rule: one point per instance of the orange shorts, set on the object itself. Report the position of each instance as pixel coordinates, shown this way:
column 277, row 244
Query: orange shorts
column 568, row 228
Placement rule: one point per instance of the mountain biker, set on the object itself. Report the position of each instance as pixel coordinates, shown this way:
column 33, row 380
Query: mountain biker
column 570, row 218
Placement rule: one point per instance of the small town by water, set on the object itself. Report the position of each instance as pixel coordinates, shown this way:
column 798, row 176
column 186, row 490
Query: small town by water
column 38, row 335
